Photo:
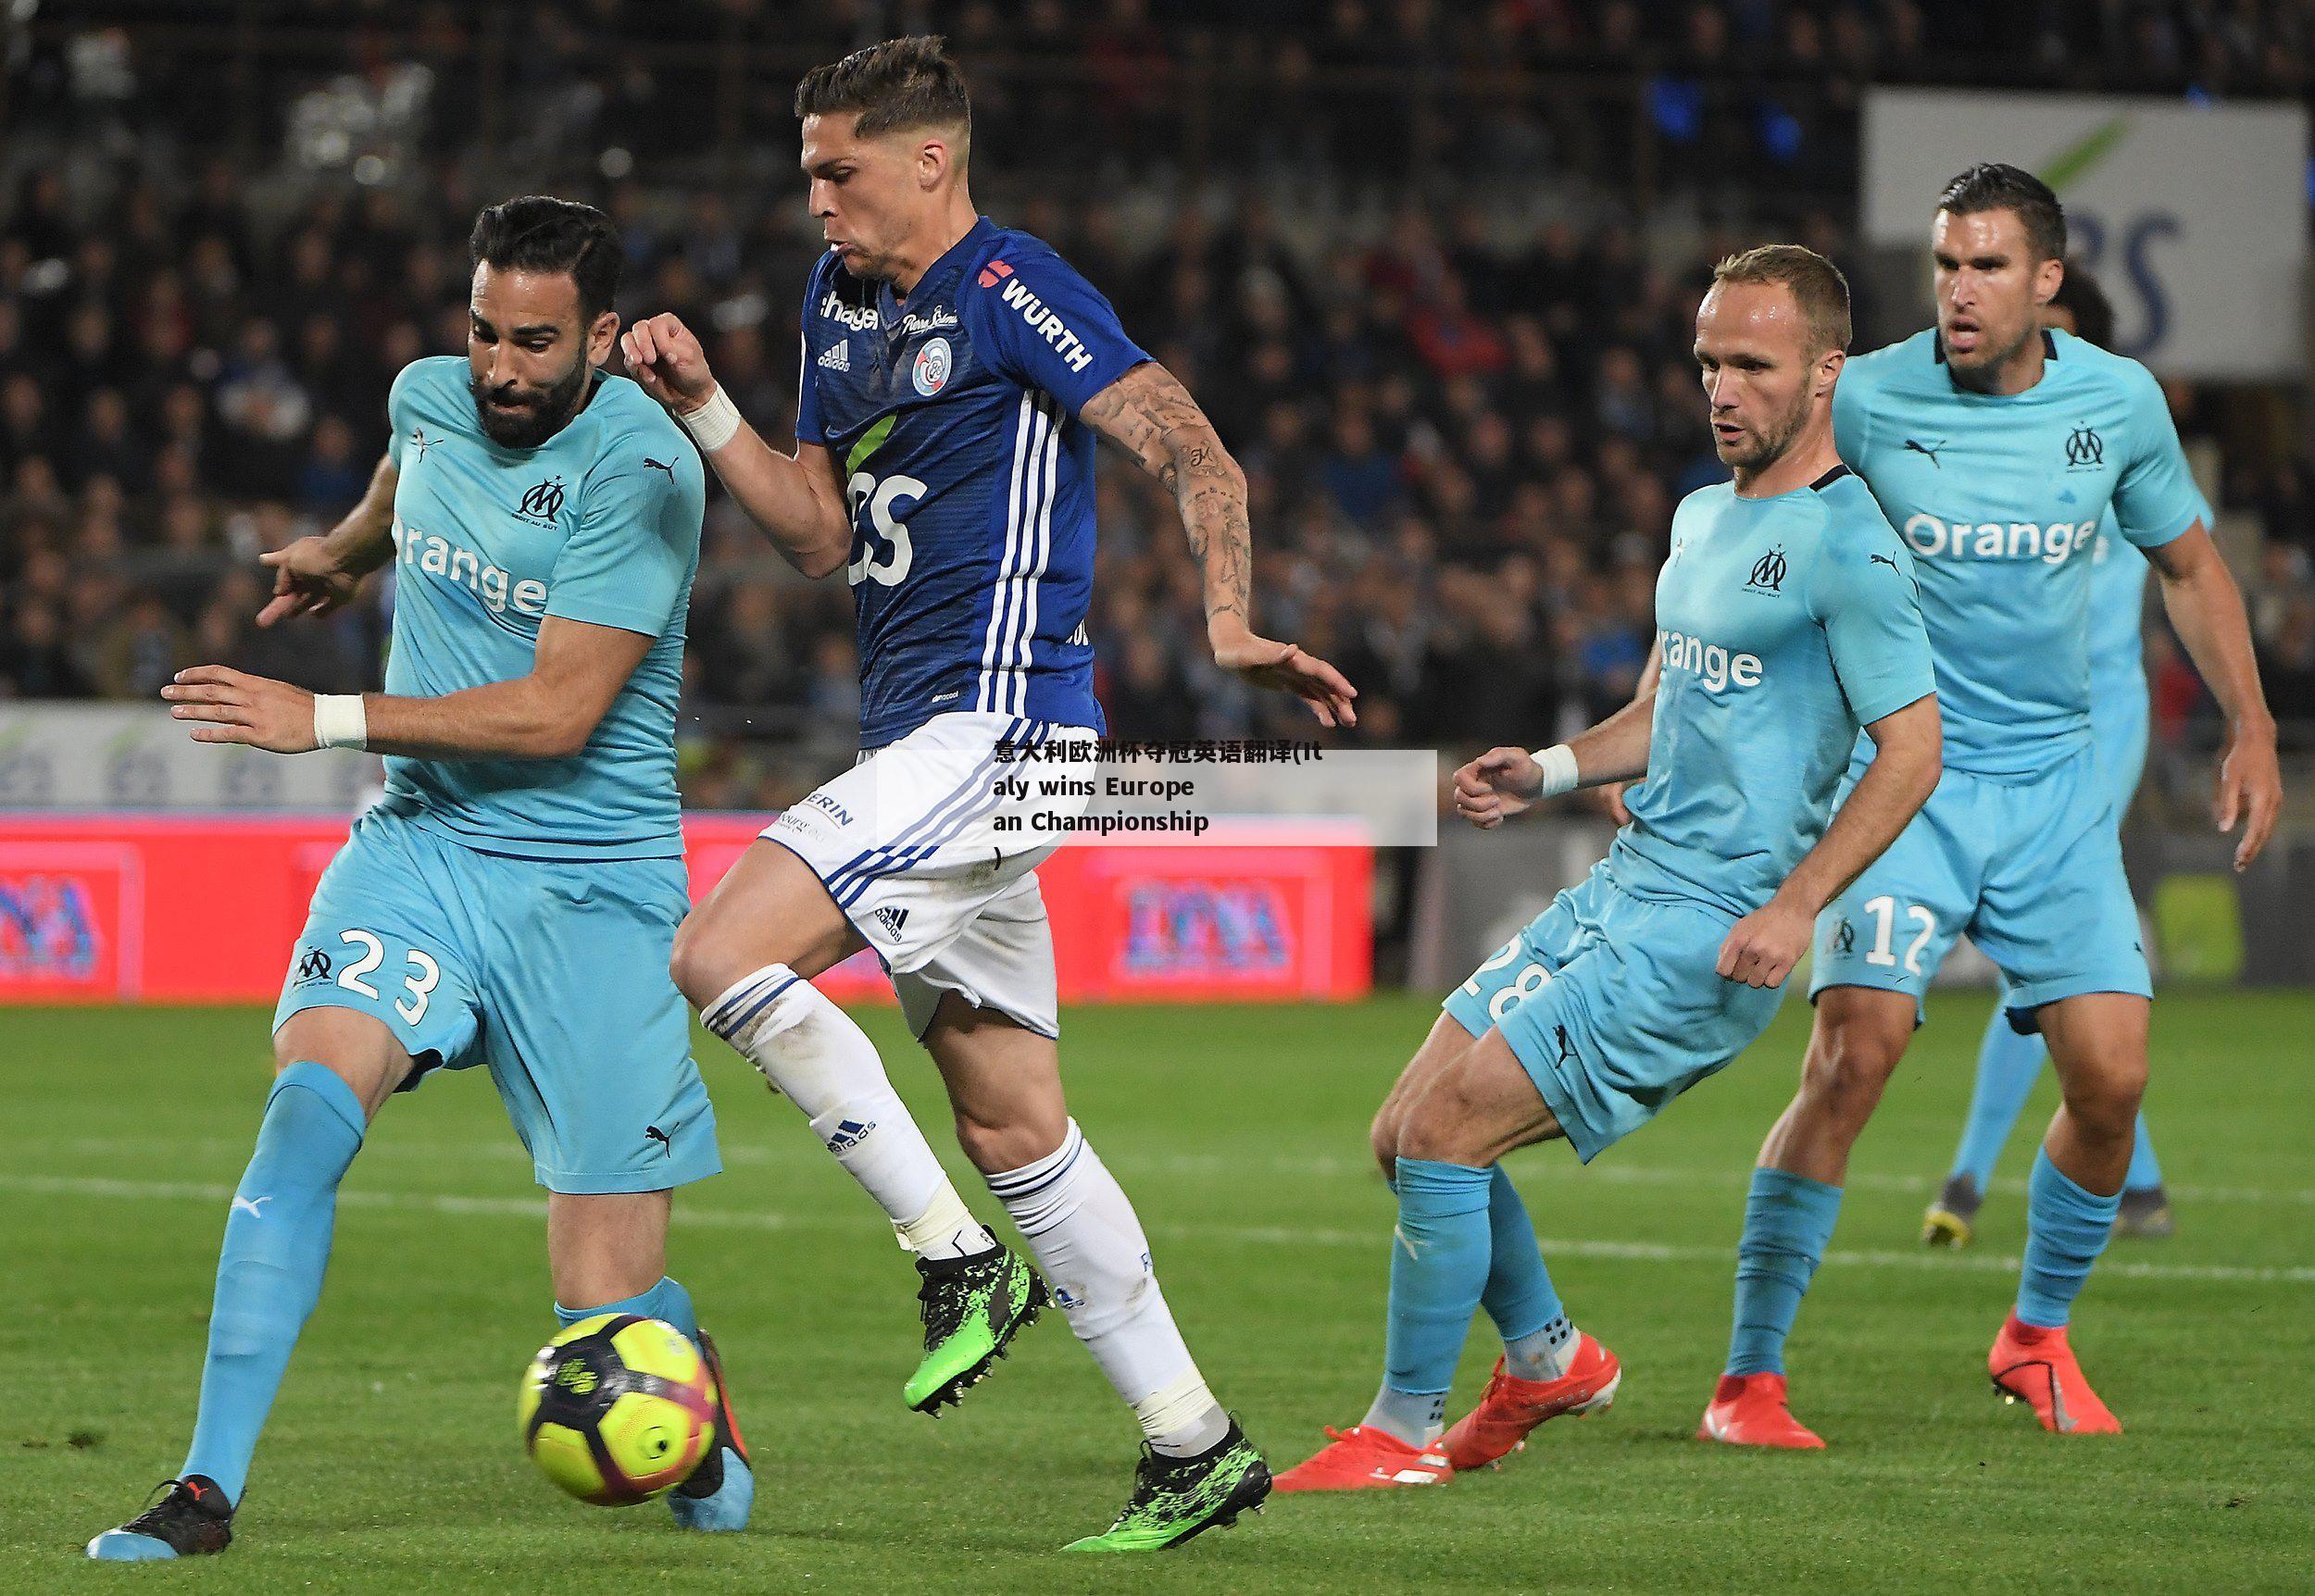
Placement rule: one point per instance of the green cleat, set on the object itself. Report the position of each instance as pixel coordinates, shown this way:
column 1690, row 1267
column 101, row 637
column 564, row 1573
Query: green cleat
column 973, row 1307
column 1175, row 1498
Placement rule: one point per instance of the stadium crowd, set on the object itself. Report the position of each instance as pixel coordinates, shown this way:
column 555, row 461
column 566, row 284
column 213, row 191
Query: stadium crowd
column 1465, row 427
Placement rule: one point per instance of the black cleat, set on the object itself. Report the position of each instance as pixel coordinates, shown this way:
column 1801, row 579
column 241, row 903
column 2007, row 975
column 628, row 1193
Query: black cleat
column 1177, row 1497
column 973, row 1308
column 192, row 1519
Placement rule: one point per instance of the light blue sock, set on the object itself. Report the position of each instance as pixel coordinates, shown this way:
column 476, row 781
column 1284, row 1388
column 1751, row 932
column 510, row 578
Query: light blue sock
column 2007, row 1065
column 269, row 1272
column 1439, row 1263
column 666, row 1301
column 2146, row 1170
column 1519, row 1297
column 2066, row 1230
column 1788, row 1220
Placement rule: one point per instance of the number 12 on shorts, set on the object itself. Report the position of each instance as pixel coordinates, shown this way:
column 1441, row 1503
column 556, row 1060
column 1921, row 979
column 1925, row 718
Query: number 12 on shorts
column 424, row 976
column 1883, row 910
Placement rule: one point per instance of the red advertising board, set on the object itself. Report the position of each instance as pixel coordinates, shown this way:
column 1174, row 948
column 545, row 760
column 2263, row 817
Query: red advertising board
column 110, row 908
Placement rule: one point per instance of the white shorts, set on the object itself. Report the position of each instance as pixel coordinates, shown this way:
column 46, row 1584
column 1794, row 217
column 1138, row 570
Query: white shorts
column 934, row 862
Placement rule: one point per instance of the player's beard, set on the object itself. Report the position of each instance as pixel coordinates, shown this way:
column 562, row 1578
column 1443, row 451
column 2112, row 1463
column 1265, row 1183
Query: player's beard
column 1772, row 437
column 547, row 409
column 1978, row 367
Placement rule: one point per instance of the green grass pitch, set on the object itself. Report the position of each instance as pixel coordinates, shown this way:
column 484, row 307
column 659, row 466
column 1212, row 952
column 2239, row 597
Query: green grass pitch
column 391, row 1462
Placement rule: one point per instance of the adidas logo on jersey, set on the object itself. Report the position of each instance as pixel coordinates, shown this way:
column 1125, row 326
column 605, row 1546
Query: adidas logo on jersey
column 836, row 357
column 892, row 919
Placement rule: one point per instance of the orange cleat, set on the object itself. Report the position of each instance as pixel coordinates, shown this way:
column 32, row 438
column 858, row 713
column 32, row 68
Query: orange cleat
column 1363, row 1459
column 1750, row 1410
column 1511, row 1406
column 2035, row 1365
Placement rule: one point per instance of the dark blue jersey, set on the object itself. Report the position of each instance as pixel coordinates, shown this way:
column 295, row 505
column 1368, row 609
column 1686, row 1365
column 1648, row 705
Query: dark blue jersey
column 953, row 416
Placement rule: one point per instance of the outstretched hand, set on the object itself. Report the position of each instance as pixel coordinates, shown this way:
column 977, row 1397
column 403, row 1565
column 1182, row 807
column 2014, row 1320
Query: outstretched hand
column 308, row 579
column 1284, row 667
column 234, row 707
column 1498, row 784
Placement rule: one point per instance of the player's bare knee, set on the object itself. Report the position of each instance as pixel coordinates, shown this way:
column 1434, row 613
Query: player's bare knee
column 996, row 1146
column 1444, row 1127
column 1382, row 1139
column 2103, row 1097
column 1845, row 1071
column 698, row 962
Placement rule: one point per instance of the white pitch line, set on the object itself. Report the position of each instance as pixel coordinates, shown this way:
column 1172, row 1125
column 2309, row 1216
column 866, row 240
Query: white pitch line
column 1253, row 1235
column 1550, row 1166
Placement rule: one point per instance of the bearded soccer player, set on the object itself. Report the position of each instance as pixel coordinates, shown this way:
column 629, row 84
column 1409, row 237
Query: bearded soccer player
column 1997, row 447
column 1788, row 622
column 513, row 898
column 2008, row 1061
column 955, row 377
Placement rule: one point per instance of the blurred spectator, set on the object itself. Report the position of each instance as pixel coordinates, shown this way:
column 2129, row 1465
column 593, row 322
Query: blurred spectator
column 1464, row 424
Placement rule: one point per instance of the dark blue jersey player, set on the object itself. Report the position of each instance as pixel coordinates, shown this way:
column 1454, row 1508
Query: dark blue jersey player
column 955, row 375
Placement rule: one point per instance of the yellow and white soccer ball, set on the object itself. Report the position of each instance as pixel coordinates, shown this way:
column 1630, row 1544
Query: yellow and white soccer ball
column 617, row 1409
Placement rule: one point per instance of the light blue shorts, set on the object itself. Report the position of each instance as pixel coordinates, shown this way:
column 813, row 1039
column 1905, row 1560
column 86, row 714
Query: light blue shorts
column 1613, row 1005
column 2031, row 870
column 552, row 972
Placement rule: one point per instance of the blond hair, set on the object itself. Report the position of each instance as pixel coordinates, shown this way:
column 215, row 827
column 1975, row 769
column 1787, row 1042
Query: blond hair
column 1815, row 283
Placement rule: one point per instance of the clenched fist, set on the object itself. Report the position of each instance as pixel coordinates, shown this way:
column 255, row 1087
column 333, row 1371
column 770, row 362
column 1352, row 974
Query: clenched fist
column 1763, row 948
column 664, row 357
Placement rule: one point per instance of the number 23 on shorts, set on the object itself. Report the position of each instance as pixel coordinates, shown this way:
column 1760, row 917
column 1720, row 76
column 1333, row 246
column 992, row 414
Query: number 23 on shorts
column 418, row 980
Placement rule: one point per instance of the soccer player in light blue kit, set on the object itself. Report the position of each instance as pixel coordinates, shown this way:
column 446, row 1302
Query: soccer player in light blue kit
column 1787, row 621
column 1997, row 447
column 2010, row 1060
column 513, row 898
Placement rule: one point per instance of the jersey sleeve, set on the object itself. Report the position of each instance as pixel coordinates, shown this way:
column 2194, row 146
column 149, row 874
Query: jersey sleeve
column 808, row 426
column 1045, row 327
column 400, row 400
column 629, row 562
column 1863, row 594
column 2156, row 499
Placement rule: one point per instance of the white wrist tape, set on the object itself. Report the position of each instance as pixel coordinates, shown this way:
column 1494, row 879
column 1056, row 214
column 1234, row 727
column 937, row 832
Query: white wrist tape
column 714, row 423
column 340, row 721
column 1558, row 763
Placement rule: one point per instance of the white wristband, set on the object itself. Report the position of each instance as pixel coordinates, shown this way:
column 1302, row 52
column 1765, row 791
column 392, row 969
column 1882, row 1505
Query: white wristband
column 1558, row 763
column 340, row 720
column 714, row 423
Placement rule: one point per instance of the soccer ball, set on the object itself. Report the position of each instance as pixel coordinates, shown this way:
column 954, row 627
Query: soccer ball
column 617, row 1409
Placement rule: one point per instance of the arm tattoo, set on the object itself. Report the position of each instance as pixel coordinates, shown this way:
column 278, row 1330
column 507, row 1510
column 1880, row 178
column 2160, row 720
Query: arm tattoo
column 1149, row 415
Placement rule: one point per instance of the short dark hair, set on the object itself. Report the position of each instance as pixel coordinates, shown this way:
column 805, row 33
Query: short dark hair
column 1815, row 283
column 1995, row 185
column 538, row 233
column 2082, row 297
column 900, row 83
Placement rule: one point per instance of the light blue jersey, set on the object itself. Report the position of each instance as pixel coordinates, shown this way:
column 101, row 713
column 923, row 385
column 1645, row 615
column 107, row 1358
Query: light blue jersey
column 520, row 913
column 2117, row 615
column 1786, row 623
column 2000, row 497
column 598, row 524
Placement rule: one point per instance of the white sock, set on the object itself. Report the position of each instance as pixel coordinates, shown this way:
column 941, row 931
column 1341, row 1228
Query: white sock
column 810, row 1051
column 1083, row 1233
